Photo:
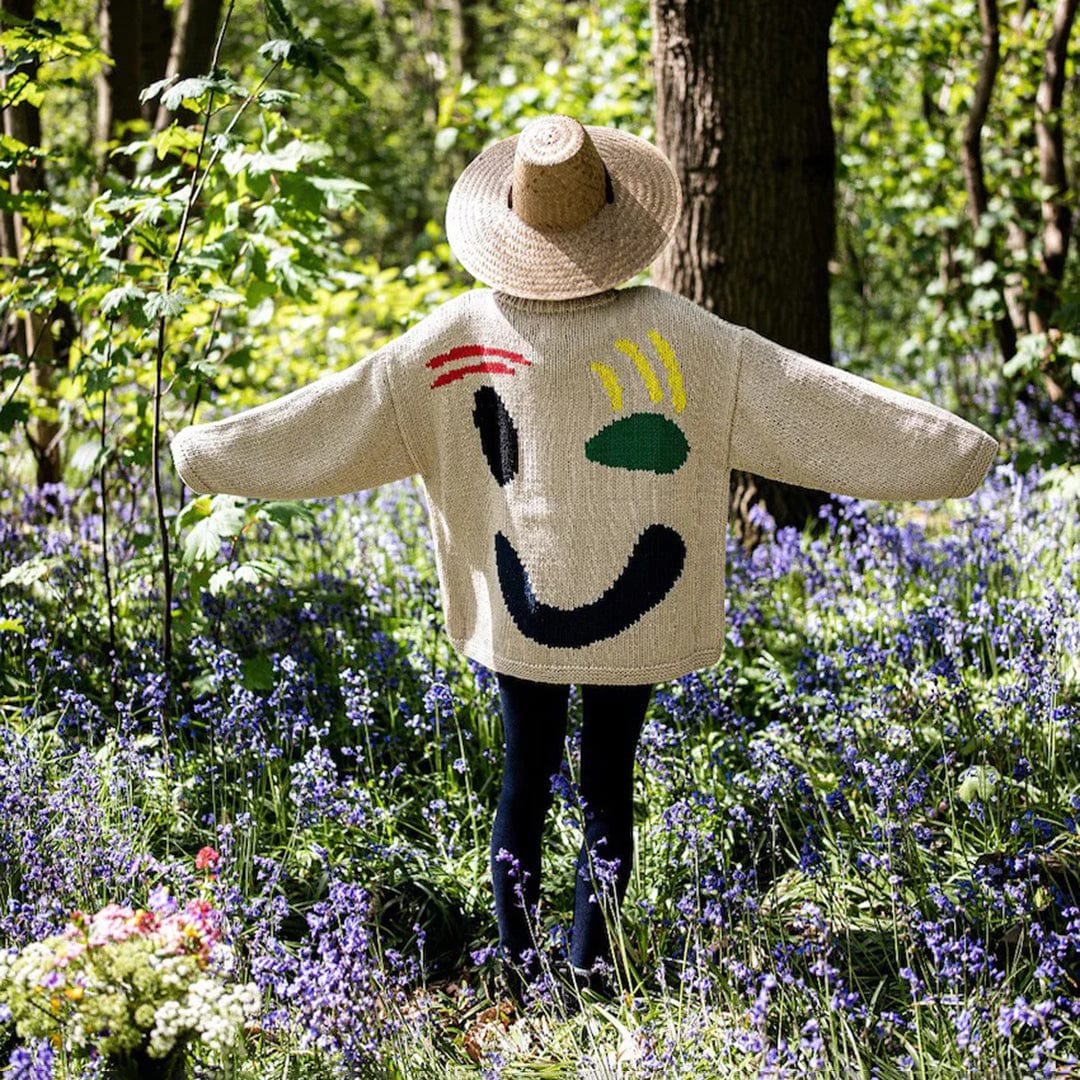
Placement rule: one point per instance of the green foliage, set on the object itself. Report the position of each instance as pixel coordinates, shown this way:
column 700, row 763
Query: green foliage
column 207, row 522
column 911, row 282
column 433, row 95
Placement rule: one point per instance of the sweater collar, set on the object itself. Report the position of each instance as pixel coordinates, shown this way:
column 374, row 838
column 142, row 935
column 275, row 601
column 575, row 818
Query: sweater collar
column 520, row 303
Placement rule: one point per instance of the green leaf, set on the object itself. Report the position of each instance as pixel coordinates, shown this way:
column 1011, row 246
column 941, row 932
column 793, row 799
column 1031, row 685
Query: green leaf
column 186, row 90
column 338, row 191
column 276, row 99
column 193, row 511
column 986, row 301
column 247, row 573
column 257, row 673
column 978, row 782
column 203, row 542
column 281, row 23
column 445, row 139
column 175, row 138
column 163, row 304
column 300, row 192
column 284, row 513
column 289, row 158
column 86, row 458
column 12, row 413
column 123, row 300
column 276, row 50
column 1069, row 345
column 224, row 296
column 257, row 291
column 150, row 92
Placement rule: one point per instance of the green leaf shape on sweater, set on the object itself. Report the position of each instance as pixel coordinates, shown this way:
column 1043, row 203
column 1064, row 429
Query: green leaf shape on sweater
column 640, row 441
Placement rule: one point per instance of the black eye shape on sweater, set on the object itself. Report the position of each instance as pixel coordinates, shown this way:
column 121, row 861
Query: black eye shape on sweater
column 498, row 436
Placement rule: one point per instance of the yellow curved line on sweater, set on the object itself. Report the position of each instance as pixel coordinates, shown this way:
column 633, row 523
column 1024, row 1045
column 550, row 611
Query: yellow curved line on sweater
column 674, row 372
column 648, row 376
column 611, row 383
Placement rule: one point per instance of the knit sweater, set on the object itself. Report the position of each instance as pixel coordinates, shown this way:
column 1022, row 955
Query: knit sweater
column 576, row 456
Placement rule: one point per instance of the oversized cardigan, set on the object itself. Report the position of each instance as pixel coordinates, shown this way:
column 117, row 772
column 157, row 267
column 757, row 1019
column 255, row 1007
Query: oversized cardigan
column 576, row 456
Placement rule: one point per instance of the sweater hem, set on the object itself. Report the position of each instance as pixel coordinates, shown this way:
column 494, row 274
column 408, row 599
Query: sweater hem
column 593, row 674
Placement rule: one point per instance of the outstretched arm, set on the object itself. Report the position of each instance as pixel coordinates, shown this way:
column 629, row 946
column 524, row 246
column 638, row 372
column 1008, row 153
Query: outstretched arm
column 803, row 422
column 337, row 435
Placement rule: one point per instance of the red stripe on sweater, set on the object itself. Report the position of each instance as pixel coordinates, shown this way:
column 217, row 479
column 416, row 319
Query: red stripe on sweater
column 471, row 369
column 463, row 352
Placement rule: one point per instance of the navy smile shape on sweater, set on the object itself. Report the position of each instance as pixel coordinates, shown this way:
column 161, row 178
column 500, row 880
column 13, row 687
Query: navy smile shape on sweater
column 658, row 555
column 653, row 568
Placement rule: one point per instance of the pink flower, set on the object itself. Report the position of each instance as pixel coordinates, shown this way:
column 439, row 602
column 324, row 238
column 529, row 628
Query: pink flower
column 207, row 859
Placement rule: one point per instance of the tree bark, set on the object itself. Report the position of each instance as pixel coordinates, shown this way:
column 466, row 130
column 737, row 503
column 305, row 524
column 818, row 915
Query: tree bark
column 464, row 36
column 17, row 117
column 119, row 83
column 33, row 339
column 192, row 49
column 742, row 111
column 1056, row 210
column 971, row 155
column 155, row 41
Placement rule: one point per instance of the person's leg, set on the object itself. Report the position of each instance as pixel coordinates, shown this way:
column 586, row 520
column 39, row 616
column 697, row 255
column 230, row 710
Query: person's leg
column 612, row 722
column 534, row 726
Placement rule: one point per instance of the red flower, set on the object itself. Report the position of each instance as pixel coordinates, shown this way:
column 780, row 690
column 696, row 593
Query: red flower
column 207, row 859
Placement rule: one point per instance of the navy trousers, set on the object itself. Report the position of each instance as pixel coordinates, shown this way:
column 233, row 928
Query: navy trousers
column 534, row 725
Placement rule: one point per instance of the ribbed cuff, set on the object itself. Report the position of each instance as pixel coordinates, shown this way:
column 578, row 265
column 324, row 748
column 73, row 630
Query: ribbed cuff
column 182, row 462
column 985, row 452
column 555, row 307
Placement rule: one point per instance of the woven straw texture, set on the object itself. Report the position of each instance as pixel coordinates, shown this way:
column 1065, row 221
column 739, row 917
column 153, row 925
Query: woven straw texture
column 556, row 257
column 576, row 458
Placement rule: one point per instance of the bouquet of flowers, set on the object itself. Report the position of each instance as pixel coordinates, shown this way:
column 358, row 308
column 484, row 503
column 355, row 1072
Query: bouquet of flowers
column 132, row 985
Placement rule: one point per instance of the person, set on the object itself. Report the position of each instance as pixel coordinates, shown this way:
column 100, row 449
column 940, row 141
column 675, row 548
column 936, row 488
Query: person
column 575, row 442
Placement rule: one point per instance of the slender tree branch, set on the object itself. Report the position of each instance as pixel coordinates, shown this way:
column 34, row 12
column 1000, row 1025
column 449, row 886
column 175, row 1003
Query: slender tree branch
column 232, row 123
column 971, row 152
column 111, row 608
column 159, row 363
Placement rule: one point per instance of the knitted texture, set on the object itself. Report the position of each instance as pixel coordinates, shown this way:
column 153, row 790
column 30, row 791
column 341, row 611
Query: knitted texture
column 575, row 456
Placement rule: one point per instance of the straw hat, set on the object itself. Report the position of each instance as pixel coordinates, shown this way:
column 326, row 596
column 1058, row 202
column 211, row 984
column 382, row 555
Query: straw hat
column 562, row 210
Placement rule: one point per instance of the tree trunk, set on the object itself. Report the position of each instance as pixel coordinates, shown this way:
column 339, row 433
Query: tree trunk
column 33, row 339
column 17, row 117
column 463, row 38
column 971, row 154
column 155, row 41
column 192, row 48
column 119, row 83
column 742, row 111
column 1057, row 209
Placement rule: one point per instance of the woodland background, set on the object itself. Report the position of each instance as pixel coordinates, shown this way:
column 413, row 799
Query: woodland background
column 856, row 836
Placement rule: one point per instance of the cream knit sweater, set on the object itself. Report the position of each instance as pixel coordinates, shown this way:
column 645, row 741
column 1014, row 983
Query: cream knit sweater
column 575, row 456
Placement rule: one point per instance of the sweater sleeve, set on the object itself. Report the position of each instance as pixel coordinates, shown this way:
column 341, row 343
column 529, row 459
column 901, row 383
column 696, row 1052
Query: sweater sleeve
column 802, row 422
column 337, row 435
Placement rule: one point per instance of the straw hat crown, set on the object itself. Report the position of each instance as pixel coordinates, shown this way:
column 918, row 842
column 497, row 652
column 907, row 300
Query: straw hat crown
column 562, row 210
column 559, row 179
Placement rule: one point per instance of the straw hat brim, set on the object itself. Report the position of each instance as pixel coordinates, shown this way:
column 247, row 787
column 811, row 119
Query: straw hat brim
column 622, row 238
